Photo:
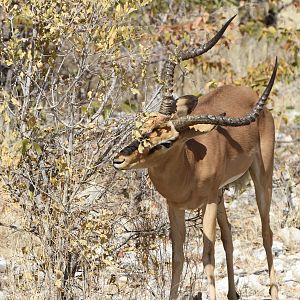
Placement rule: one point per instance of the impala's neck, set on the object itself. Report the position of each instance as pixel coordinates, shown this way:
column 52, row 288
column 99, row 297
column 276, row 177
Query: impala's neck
column 171, row 176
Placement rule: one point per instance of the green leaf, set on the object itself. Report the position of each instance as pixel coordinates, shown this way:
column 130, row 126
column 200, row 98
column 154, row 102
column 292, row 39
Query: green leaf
column 37, row 148
column 23, row 145
column 127, row 108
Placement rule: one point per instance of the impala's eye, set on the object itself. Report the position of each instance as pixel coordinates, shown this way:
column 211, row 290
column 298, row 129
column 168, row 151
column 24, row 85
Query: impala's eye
column 167, row 144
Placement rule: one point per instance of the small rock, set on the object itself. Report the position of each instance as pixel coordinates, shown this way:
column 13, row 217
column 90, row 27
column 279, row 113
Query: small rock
column 290, row 236
column 279, row 265
column 236, row 250
column 260, row 254
column 220, row 255
column 78, row 274
column 295, row 235
column 3, row 265
column 234, row 204
column 288, row 277
column 122, row 281
column 237, row 254
column 2, row 296
column 110, row 289
column 282, row 137
column 277, row 248
column 222, row 284
column 251, row 281
column 296, row 271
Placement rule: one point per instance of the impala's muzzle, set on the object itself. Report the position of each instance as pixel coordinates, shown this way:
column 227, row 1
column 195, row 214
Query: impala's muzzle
column 120, row 162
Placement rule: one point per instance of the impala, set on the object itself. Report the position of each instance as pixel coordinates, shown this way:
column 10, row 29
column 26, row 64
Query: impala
column 192, row 148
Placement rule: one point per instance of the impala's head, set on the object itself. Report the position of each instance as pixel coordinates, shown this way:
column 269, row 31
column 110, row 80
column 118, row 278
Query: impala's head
column 156, row 135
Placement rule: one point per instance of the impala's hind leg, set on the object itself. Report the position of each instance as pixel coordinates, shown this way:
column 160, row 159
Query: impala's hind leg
column 261, row 173
column 226, row 238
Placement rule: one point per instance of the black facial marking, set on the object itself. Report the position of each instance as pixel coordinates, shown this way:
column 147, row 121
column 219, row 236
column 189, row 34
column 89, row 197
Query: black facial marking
column 130, row 148
column 167, row 144
column 155, row 148
column 145, row 135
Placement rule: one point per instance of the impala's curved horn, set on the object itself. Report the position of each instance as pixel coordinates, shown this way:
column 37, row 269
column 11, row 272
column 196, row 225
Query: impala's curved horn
column 167, row 106
column 182, row 123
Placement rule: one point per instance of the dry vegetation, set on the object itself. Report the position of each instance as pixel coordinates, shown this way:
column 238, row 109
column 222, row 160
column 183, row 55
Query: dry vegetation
column 72, row 74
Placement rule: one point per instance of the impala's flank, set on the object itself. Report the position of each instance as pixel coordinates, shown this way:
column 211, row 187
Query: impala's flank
column 192, row 148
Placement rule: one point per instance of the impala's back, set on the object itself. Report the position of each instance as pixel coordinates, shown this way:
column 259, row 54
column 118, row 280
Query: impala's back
column 238, row 145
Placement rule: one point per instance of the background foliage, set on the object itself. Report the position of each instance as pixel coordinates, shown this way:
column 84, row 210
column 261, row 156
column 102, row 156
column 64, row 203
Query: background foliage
column 70, row 74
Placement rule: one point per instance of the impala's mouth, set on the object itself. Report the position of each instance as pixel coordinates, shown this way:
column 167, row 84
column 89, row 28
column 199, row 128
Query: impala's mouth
column 118, row 163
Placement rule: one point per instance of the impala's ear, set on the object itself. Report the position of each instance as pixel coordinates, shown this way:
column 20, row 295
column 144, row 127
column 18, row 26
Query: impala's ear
column 195, row 130
column 202, row 128
column 185, row 105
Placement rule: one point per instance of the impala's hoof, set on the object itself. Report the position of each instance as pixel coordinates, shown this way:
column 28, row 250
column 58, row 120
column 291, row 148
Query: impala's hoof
column 198, row 296
column 237, row 296
column 274, row 289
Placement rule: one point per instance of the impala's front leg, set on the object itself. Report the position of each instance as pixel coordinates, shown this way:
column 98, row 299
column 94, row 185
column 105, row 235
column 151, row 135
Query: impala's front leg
column 177, row 234
column 209, row 237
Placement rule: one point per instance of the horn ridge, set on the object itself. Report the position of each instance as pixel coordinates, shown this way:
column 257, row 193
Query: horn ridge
column 182, row 123
column 168, row 106
column 207, row 46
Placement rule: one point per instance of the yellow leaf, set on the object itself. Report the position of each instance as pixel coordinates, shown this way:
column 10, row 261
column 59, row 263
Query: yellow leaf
column 112, row 36
column 58, row 283
column 136, row 134
column 15, row 102
column 146, row 144
column 145, row 2
column 138, row 124
column 135, row 91
column 272, row 29
column 83, row 242
column 141, row 148
column 108, row 262
column 27, row 276
column 9, row 62
column 59, row 274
